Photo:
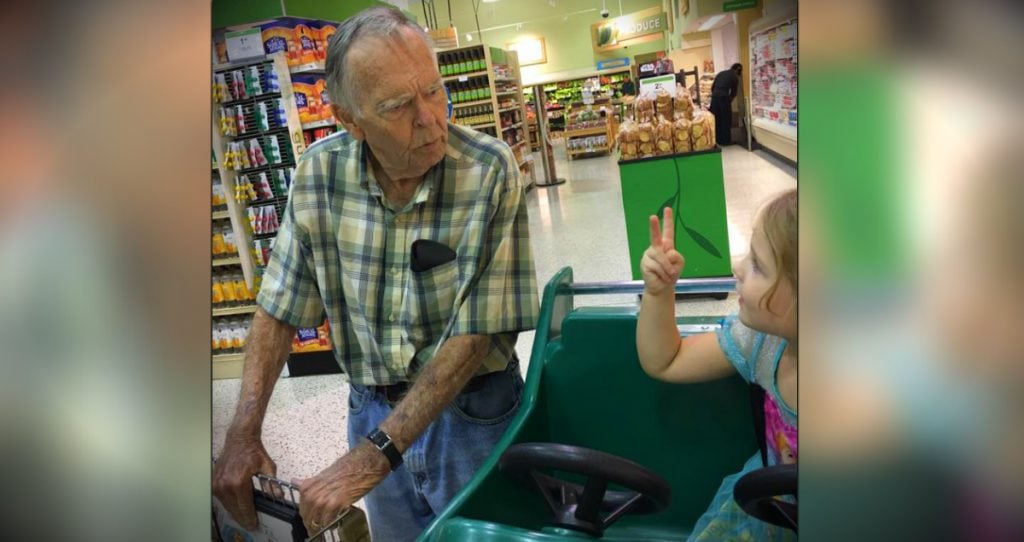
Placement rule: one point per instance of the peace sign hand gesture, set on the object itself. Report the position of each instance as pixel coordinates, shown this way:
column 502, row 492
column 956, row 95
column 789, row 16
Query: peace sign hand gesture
column 662, row 264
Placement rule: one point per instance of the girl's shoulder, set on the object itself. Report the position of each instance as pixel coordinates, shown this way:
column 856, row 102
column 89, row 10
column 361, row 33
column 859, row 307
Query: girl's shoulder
column 753, row 353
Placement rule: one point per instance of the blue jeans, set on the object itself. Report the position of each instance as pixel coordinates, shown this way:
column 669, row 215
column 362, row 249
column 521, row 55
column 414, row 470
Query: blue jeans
column 442, row 461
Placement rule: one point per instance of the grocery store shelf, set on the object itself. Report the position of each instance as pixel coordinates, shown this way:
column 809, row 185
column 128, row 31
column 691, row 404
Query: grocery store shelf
column 231, row 311
column 507, row 109
column 605, row 148
column 241, row 63
column 227, row 366
column 460, row 76
column 318, row 124
column 220, row 215
column 312, row 67
column 600, row 130
column 227, row 261
column 477, row 125
column 512, row 127
column 520, row 144
column 507, row 92
column 471, row 104
column 504, row 79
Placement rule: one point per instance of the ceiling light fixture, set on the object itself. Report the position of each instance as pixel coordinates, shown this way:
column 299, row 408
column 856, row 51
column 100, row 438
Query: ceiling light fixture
column 711, row 22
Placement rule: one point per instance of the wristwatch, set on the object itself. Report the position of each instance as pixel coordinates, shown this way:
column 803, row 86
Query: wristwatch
column 383, row 442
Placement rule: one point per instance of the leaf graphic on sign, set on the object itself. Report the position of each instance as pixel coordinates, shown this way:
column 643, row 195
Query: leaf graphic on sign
column 661, row 208
column 702, row 241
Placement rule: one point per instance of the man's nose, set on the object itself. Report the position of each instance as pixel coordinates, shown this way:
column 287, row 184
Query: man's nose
column 424, row 117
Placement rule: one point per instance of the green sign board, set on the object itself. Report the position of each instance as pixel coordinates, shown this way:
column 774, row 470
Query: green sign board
column 632, row 29
column 733, row 5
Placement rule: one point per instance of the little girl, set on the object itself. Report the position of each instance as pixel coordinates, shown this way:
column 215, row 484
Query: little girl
column 759, row 343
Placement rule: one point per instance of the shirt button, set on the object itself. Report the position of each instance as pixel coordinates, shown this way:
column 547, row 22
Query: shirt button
column 394, row 271
column 391, row 318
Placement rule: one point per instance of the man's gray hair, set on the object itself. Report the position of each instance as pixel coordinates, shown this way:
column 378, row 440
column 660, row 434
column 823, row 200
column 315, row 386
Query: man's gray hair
column 379, row 21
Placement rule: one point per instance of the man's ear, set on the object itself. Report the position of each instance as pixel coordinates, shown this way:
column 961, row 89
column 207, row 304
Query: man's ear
column 348, row 121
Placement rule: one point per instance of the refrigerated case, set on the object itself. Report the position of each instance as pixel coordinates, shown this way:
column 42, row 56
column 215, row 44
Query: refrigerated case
column 773, row 81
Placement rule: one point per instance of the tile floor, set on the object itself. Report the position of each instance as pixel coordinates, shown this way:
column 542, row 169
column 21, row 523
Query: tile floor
column 578, row 224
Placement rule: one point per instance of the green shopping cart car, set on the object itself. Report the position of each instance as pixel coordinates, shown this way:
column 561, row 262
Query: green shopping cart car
column 599, row 450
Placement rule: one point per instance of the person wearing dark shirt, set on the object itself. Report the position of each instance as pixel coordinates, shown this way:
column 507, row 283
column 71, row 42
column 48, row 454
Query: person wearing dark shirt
column 723, row 90
column 628, row 88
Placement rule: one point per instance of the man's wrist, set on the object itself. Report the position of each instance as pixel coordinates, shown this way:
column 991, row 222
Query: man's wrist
column 379, row 462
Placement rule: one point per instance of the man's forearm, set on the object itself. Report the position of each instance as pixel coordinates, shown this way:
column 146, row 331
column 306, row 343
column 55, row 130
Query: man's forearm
column 436, row 387
column 266, row 351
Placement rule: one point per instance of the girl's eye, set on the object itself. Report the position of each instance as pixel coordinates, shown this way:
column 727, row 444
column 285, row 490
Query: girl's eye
column 755, row 266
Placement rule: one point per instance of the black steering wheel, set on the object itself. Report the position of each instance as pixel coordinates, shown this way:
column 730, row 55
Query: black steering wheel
column 590, row 508
column 755, row 492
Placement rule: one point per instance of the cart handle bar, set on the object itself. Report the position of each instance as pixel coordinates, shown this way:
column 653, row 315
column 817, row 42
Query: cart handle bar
column 716, row 285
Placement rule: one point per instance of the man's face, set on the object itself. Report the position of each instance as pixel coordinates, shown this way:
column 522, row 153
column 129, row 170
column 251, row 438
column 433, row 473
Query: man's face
column 401, row 109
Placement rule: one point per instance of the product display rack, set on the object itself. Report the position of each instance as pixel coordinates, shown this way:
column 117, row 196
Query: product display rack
column 486, row 90
column 563, row 95
column 774, row 68
column 289, row 139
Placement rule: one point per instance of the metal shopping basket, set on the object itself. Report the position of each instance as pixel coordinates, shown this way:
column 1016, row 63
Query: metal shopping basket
column 277, row 508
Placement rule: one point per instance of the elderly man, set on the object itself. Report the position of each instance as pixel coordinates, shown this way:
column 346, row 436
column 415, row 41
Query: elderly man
column 411, row 234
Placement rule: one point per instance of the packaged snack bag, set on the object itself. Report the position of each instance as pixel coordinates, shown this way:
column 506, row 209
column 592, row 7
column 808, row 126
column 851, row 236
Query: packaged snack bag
column 645, row 108
column 682, row 134
column 327, row 29
column 702, row 131
column 646, row 133
column 279, row 37
column 306, row 98
column 665, row 134
column 663, row 103
column 306, row 38
column 325, row 100
column 683, row 102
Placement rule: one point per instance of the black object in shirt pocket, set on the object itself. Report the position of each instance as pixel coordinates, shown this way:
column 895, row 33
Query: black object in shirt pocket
column 427, row 254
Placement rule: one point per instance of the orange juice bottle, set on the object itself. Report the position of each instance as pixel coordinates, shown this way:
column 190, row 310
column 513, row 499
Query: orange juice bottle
column 228, row 285
column 218, row 242
column 236, row 335
column 218, row 291
column 223, row 336
column 241, row 290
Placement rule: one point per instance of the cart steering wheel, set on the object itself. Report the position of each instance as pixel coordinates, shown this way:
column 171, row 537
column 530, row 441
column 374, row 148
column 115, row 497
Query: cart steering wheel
column 580, row 507
column 755, row 493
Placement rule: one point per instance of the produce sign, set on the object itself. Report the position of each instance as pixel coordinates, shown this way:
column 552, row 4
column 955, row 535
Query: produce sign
column 632, row 29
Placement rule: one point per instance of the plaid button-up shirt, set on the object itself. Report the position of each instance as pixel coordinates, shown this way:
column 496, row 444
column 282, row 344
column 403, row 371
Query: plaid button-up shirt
column 344, row 252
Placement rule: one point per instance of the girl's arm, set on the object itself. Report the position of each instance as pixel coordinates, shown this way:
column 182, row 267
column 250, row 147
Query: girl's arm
column 663, row 354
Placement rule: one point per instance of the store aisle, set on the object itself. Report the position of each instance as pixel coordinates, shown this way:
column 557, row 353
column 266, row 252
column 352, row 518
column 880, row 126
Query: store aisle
column 578, row 224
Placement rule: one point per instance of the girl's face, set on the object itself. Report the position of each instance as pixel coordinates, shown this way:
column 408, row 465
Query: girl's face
column 755, row 274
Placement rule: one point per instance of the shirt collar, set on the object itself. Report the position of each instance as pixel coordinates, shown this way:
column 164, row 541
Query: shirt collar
column 368, row 180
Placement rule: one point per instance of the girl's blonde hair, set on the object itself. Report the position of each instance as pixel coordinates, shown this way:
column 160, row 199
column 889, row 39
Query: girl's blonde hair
column 779, row 222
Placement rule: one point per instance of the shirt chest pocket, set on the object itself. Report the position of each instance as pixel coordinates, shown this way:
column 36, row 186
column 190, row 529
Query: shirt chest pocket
column 431, row 302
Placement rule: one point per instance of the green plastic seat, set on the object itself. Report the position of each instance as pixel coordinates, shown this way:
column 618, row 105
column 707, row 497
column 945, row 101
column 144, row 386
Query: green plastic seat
column 585, row 387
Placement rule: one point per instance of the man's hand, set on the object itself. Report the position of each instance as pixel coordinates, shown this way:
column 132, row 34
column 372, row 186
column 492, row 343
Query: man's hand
column 325, row 496
column 241, row 458
column 243, row 455
column 661, row 264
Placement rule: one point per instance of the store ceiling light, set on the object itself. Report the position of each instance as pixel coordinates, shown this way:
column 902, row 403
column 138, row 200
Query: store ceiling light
column 710, row 23
column 488, row 1
column 469, row 37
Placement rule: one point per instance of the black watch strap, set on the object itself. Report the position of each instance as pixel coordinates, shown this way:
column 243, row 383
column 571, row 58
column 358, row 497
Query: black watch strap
column 383, row 442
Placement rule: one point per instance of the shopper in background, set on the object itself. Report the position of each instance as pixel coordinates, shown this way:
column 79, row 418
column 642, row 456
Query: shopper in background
column 723, row 90
column 628, row 88
column 411, row 234
column 759, row 342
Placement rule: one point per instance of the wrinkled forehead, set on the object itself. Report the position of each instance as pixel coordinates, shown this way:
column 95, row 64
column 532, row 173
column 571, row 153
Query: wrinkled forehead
column 376, row 50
